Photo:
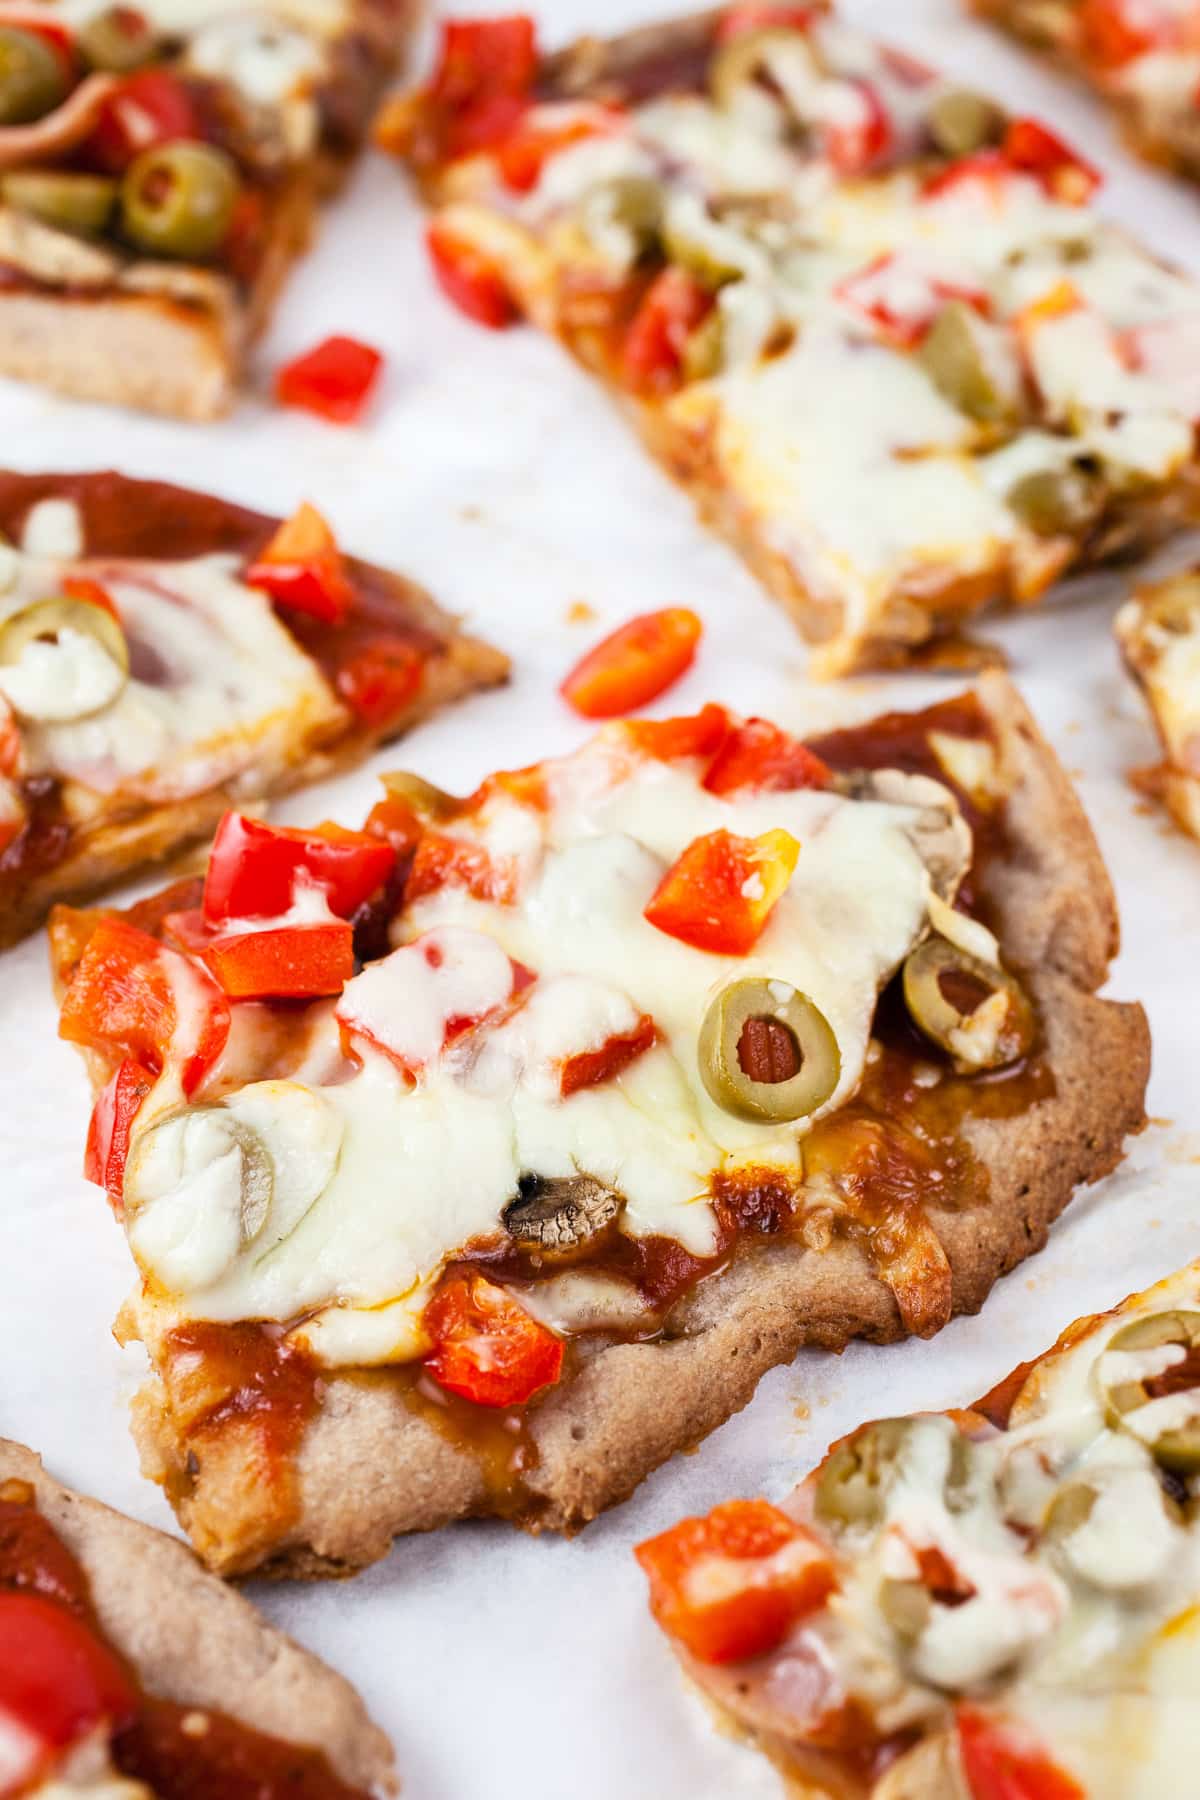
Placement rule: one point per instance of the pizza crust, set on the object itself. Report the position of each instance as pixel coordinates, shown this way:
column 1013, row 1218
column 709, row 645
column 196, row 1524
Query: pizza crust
column 197, row 1642
column 370, row 1468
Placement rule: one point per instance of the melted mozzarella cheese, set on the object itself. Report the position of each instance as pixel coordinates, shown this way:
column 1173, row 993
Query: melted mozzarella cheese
column 437, row 1123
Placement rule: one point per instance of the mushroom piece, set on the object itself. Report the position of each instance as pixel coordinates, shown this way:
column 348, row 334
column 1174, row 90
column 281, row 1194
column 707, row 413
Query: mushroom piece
column 939, row 834
column 561, row 1217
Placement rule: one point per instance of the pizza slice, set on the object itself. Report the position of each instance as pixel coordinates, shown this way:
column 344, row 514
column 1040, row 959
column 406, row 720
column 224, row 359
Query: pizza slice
column 160, row 169
column 874, row 326
column 1142, row 56
column 996, row 1604
column 1158, row 630
column 165, row 655
column 129, row 1673
column 635, row 1071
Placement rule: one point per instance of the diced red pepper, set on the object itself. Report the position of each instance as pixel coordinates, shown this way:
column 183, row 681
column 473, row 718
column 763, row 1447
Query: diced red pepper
column 760, row 15
column 81, row 587
column 870, row 292
column 634, row 664
column 253, row 868
column 292, row 962
column 760, row 757
column 590, row 1067
column 988, row 172
column 116, row 1108
column 58, row 1684
column 302, row 569
column 442, row 861
column 1032, row 146
column 122, row 1000
column 487, row 1348
column 720, row 892
column 485, row 56
column 692, row 734
column 656, row 341
column 732, row 1585
column 1113, row 32
column 335, row 380
column 468, row 277
column 1002, row 1762
column 524, row 153
column 381, row 678
column 150, row 107
column 11, row 758
column 854, row 145
column 390, row 1004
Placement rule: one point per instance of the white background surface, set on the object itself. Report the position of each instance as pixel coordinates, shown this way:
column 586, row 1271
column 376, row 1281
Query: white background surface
column 489, row 469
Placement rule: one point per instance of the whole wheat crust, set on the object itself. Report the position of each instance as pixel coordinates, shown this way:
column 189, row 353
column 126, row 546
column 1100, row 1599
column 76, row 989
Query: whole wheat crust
column 370, row 1467
column 197, row 1642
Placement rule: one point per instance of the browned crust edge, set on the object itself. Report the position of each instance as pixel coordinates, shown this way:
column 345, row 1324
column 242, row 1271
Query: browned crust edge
column 197, row 1642
column 369, row 1468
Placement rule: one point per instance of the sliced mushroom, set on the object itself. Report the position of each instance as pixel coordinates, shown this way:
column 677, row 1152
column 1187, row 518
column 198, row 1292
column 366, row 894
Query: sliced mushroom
column 560, row 1217
column 939, row 834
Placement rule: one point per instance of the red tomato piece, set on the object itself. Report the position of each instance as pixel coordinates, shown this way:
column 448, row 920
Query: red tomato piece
column 693, row 734
column 111, row 1123
column 253, row 868
column 487, row 1348
column 335, row 380
column 1001, row 1763
column 855, row 145
column 287, row 962
column 525, row 152
column 149, row 108
column 590, row 1067
column 720, row 892
column 671, row 308
column 760, row 15
column 469, row 278
column 732, row 1585
column 301, row 568
column 634, row 664
column 1032, row 146
column 759, row 756
column 58, row 1682
column 380, row 678
column 1114, row 32
column 122, row 1000
column 80, row 587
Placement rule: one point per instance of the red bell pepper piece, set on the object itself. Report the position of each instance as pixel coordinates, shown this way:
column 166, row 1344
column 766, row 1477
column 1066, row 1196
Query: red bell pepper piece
column 58, row 1684
column 720, row 892
column 81, row 587
column 287, row 962
column 527, row 149
column 122, row 1001
column 301, row 568
column 732, row 1585
column 116, row 1108
column 482, row 82
column 588, row 1068
column 760, row 15
column 487, row 1348
column 335, row 380
column 443, row 861
column 150, row 107
column 253, row 868
column 1114, row 32
column 854, row 145
column 989, row 172
column 671, row 308
column 758, row 756
column 1031, row 146
column 905, row 322
column 469, row 278
column 381, row 678
column 693, row 734
column 1001, row 1762
column 634, row 664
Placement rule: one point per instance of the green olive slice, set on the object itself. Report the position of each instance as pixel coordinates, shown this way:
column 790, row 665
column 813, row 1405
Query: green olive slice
column 698, row 258
column 857, row 1473
column 1057, row 502
column 766, row 1052
column 1070, row 1508
column 704, row 352
column 740, row 60
column 42, row 622
column 1173, row 605
column 1177, row 1448
column 118, row 40
column 428, row 801
column 82, row 203
column 952, row 998
column 634, row 202
column 178, row 200
column 961, row 121
column 906, row 1605
column 33, row 80
column 954, row 354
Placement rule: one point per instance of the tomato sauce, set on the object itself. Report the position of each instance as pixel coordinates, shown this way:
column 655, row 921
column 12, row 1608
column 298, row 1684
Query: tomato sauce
column 180, row 1752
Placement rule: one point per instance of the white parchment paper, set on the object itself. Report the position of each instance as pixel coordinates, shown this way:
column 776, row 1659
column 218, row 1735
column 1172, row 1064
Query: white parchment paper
column 508, row 1668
